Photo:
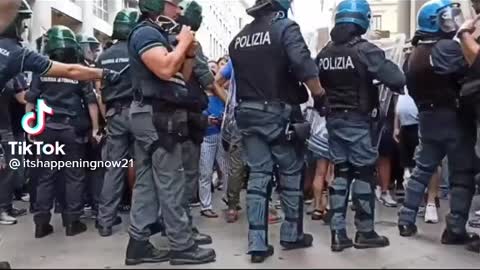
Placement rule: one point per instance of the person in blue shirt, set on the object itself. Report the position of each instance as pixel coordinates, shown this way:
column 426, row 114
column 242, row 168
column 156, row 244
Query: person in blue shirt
column 211, row 151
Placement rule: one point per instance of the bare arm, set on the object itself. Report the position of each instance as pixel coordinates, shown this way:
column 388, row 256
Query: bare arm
column 396, row 128
column 470, row 47
column 187, row 68
column 101, row 105
column 315, row 87
column 93, row 112
column 74, row 72
column 165, row 64
column 20, row 97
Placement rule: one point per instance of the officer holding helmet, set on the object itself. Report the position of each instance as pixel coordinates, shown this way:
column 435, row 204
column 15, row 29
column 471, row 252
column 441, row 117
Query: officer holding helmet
column 117, row 99
column 15, row 59
column 68, row 126
column 159, row 120
column 435, row 70
column 270, row 119
column 348, row 65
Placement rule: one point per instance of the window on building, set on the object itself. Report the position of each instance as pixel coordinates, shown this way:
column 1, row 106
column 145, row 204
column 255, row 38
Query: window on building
column 130, row 3
column 100, row 9
column 376, row 23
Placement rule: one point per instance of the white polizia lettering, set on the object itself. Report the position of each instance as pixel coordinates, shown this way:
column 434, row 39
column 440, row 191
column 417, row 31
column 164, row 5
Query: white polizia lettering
column 336, row 63
column 253, row 40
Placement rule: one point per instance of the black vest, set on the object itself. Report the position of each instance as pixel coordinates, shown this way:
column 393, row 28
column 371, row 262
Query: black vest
column 424, row 85
column 262, row 71
column 116, row 58
column 345, row 78
column 64, row 96
column 173, row 91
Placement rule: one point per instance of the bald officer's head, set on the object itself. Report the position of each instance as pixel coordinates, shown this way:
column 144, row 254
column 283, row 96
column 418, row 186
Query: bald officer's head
column 8, row 12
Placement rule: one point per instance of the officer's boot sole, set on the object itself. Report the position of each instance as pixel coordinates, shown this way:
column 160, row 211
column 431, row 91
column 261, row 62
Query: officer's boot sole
column 190, row 261
column 366, row 245
column 341, row 247
column 146, row 260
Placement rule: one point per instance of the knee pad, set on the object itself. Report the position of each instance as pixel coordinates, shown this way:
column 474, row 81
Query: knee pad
column 343, row 170
column 364, row 173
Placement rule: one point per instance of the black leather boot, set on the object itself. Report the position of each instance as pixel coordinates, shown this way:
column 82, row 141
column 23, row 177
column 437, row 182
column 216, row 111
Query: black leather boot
column 105, row 231
column 474, row 246
column 144, row 252
column 450, row 238
column 5, row 265
column 370, row 240
column 74, row 227
column 201, row 238
column 42, row 230
column 340, row 241
column 407, row 230
column 303, row 243
column 193, row 255
column 261, row 256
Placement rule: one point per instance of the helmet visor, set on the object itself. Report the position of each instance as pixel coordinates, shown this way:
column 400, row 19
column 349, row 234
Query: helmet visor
column 450, row 19
column 91, row 51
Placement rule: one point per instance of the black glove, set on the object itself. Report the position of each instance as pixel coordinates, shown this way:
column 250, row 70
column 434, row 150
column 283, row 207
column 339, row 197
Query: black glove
column 110, row 77
column 321, row 105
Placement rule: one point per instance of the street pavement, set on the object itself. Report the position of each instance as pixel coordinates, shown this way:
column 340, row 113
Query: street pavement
column 89, row 250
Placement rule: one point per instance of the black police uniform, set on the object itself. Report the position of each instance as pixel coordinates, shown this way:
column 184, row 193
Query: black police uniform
column 9, row 179
column 347, row 71
column 119, row 135
column 435, row 71
column 270, row 58
column 69, row 126
column 15, row 59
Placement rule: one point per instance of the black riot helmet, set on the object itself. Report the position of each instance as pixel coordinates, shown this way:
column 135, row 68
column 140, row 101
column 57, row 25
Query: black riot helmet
column 277, row 5
column 18, row 26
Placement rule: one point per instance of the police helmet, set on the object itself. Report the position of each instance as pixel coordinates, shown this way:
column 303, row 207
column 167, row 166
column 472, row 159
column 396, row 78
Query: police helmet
column 60, row 44
column 124, row 22
column 354, row 11
column 90, row 47
column 439, row 16
column 191, row 14
column 259, row 5
column 18, row 26
column 155, row 6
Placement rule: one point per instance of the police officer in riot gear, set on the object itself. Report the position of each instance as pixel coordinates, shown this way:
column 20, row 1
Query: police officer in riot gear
column 348, row 65
column 90, row 48
column 159, row 120
column 68, row 126
column 268, row 110
column 435, row 71
column 15, row 59
column 119, row 136
column 201, row 80
column 470, row 93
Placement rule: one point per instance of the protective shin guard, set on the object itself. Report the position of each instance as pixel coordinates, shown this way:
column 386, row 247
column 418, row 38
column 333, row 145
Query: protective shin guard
column 363, row 198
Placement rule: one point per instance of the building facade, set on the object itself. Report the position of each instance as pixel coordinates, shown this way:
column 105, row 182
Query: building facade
column 222, row 20
column 90, row 17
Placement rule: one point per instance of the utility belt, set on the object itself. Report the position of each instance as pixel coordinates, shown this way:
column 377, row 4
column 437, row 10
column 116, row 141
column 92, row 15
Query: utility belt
column 433, row 106
column 297, row 130
column 175, row 124
column 119, row 104
column 81, row 125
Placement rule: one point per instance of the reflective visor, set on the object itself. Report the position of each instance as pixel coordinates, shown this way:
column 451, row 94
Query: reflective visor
column 450, row 19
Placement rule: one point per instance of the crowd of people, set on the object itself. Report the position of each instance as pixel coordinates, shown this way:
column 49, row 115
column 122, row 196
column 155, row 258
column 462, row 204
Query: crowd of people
column 300, row 129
